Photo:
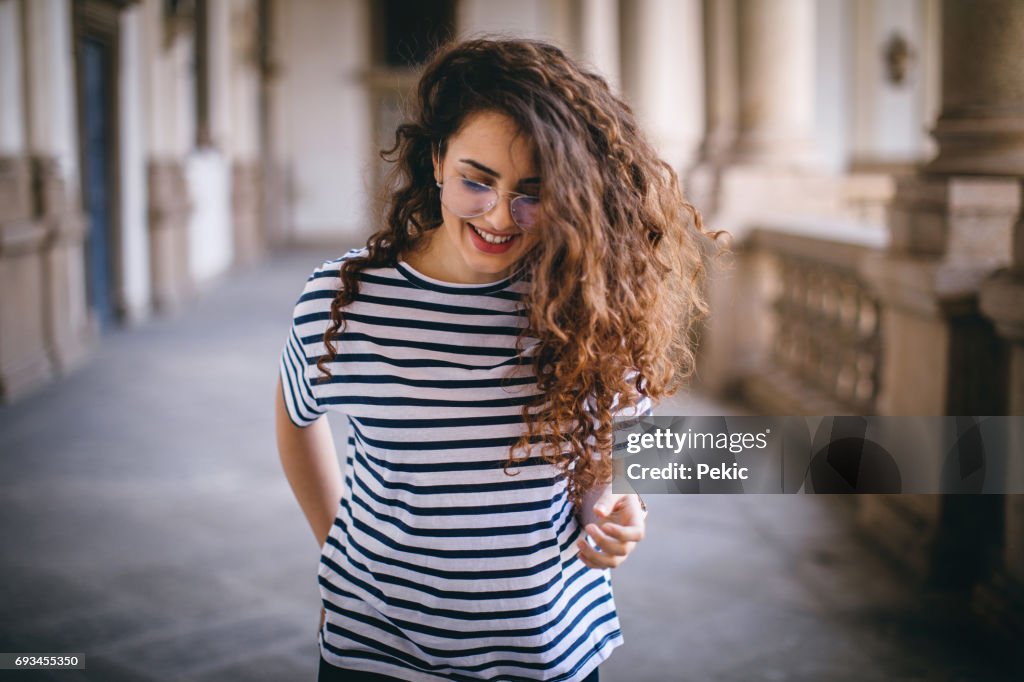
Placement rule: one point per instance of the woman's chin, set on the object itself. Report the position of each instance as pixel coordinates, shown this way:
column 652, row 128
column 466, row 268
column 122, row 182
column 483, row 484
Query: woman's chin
column 490, row 260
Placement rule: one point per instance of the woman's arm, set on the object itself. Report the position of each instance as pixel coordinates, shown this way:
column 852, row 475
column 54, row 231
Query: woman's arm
column 598, row 495
column 310, row 464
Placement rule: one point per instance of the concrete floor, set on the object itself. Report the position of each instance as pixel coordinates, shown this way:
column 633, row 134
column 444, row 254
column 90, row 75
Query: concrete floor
column 146, row 524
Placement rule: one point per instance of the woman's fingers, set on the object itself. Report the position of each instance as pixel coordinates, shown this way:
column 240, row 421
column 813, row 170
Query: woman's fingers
column 626, row 509
column 606, row 542
column 614, row 535
column 595, row 559
column 609, row 552
column 623, row 533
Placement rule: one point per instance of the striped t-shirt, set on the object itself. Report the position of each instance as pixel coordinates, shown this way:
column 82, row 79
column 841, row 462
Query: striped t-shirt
column 439, row 565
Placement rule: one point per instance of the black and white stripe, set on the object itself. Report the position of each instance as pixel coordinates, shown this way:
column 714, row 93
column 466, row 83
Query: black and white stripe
column 439, row 565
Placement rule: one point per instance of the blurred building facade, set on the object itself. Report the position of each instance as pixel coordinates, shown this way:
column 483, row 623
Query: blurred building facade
column 867, row 157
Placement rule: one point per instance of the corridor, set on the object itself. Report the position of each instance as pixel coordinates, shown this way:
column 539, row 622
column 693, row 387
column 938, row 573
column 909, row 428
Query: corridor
column 147, row 525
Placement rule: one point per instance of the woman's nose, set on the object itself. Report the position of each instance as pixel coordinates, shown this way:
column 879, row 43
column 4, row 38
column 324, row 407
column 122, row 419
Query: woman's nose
column 500, row 216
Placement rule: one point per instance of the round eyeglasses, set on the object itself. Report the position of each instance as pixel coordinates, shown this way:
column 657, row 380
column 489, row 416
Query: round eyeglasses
column 468, row 199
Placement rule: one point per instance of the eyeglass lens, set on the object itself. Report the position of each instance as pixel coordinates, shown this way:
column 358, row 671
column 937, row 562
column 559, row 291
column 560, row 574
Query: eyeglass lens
column 468, row 199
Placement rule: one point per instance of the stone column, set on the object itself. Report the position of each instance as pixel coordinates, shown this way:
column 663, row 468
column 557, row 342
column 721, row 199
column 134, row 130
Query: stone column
column 12, row 125
column 135, row 293
column 207, row 167
column 662, row 74
column 721, row 88
column 243, row 141
column 599, row 38
column 771, row 167
column 170, row 134
column 1001, row 600
column 24, row 363
column 223, row 34
column 168, row 213
column 721, row 104
column 274, row 217
column 776, row 81
column 53, row 147
column 951, row 227
column 981, row 126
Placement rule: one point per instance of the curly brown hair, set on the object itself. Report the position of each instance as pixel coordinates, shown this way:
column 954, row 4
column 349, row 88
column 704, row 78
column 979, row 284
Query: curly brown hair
column 615, row 280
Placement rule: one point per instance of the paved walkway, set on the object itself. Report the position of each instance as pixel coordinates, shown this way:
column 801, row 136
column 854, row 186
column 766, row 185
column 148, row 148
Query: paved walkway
column 146, row 523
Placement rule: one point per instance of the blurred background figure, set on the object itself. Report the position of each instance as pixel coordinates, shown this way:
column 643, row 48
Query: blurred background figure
column 169, row 167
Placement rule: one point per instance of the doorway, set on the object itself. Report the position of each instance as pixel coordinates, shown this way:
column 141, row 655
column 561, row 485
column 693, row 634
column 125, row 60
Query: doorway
column 96, row 69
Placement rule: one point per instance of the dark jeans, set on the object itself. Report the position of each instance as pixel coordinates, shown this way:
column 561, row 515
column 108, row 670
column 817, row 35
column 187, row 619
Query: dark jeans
column 328, row 673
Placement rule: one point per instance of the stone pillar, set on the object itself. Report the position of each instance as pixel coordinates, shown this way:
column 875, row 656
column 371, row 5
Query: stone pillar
column 170, row 135
column 776, row 82
column 599, row 38
column 721, row 92
column 12, row 125
column 169, row 210
column 770, row 167
column 135, row 293
column 662, row 74
column 223, row 36
column 951, row 227
column 1001, row 600
column 275, row 221
column 208, row 166
column 721, row 104
column 24, row 363
column 246, row 203
column 941, row 357
column 243, row 139
column 981, row 126
column 53, row 147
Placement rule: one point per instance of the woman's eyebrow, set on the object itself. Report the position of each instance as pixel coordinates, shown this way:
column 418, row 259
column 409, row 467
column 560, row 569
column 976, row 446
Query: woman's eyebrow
column 495, row 174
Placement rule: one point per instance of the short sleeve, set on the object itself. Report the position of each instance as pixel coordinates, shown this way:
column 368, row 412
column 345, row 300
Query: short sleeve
column 304, row 346
column 643, row 408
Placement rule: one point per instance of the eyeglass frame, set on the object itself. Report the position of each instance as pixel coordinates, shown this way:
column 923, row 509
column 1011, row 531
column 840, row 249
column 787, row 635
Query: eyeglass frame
column 498, row 193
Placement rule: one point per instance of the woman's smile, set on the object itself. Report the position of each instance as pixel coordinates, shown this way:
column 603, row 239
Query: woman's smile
column 489, row 241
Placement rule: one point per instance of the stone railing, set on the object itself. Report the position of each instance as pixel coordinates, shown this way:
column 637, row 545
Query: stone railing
column 822, row 338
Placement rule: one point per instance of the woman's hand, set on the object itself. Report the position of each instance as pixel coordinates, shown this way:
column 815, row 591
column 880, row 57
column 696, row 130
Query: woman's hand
column 616, row 533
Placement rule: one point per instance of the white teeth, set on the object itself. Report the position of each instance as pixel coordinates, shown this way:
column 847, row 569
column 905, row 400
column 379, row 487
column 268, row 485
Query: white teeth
column 490, row 238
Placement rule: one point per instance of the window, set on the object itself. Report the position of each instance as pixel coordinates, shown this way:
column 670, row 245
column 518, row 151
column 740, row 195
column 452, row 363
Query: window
column 409, row 30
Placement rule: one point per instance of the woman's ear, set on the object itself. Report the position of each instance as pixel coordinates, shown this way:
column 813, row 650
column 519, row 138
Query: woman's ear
column 435, row 155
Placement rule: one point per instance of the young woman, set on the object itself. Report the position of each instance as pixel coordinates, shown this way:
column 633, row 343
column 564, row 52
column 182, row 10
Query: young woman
column 537, row 276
